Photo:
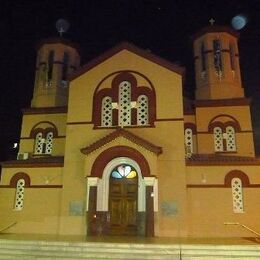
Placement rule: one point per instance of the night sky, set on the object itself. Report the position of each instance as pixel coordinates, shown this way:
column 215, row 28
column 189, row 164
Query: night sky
column 163, row 27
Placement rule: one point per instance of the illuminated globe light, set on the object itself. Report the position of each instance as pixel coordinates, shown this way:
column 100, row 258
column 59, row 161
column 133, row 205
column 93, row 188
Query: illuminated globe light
column 239, row 21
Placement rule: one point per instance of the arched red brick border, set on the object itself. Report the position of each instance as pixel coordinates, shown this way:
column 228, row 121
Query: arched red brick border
column 113, row 93
column 119, row 151
column 35, row 130
column 192, row 126
column 233, row 122
column 236, row 174
column 18, row 176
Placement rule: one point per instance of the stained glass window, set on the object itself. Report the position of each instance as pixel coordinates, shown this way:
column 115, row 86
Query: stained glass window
column 124, row 171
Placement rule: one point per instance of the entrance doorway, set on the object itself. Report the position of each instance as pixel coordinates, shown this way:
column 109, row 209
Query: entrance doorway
column 123, row 200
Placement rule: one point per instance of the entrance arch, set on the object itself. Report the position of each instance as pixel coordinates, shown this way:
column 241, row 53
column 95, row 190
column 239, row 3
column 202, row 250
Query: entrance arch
column 103, row 184
column 98, row 186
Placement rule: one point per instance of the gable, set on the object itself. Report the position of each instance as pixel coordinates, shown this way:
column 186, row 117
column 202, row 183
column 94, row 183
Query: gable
column 125, row 134
column 125, row 46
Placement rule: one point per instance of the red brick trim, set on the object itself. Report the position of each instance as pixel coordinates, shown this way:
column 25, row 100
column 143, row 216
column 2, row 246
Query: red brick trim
column 233, row 122
column 36, row 186
column 208, row 186
column 45, row 110
column 32, row 138
column 80, row 123
column 192, row 126
column 56, row 40
column 170, row 119
column 128, row 135
column 119, row 151
column 17, row 177
column 222, row 102
column 132, row 48
column 215, row 29
column 35, row 130
column 237, row 174
column 207, row 132
column 47, row 161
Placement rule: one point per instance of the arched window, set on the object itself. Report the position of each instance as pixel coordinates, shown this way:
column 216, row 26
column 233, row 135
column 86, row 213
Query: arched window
column 48, row 143
column 43, row 143
column 232, row 56
column 218, row 139
column 142, row 110
column 124, row 115
column 50, row 67
column 125, row 103
column 203, row 58
column 188, row 140
column 106, row 110
column 230, row 139
column 38, row 144
column 237, row 195
column 65, row 68
column 19, row 195
column 217, row 56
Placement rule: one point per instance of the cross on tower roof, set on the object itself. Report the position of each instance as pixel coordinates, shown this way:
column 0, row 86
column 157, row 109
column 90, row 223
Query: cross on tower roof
column 211, row 21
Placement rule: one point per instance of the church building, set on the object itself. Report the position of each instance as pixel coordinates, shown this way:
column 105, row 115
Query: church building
column 114, row 148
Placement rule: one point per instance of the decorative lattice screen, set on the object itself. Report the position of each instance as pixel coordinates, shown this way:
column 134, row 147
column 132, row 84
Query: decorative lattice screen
column 142, row 110
column 218, row 139
column 188, row 140
column 124, row 103
column 19, row 194
column 106, row 112
column 38, row 146
column 49, row 143
column 237, row 195
column 231, row 141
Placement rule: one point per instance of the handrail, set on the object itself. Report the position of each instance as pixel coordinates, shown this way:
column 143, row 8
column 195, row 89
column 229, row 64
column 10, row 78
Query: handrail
column 243, row 226
column 10, row 225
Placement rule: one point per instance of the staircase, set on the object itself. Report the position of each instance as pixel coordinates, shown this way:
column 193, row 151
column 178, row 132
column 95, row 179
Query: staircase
column 41, row 249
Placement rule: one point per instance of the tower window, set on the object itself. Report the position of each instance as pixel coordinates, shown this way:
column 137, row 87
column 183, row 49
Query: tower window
column 43, row 144
column 232, row 55
column 48, row 143
column 237, row 195
column 218, row 139
column 19, row 195
column 38, row 145
column 230, row 138
column 203, row 57
column 65, row 64
column 50, row 67
column 188, row 141
column 217, row 56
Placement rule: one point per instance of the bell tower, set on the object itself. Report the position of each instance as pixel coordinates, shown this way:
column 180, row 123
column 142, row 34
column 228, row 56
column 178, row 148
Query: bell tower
column 57, row 58
column 217, row 68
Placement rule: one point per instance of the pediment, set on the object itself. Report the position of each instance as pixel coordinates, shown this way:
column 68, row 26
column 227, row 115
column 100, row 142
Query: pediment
column 133, row 49
column 118, row 133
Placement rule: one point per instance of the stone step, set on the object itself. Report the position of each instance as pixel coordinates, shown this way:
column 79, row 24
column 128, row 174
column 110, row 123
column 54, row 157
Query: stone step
column 37, row 249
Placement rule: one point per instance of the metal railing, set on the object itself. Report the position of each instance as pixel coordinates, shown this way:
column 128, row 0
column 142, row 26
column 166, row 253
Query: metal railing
column 245, row 227
column 9, row 226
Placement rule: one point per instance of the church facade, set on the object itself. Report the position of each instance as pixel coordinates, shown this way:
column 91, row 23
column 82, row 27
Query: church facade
column 114, row 148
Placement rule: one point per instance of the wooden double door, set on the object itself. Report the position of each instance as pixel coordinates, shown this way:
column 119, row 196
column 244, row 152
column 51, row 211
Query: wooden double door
column 123, row 194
